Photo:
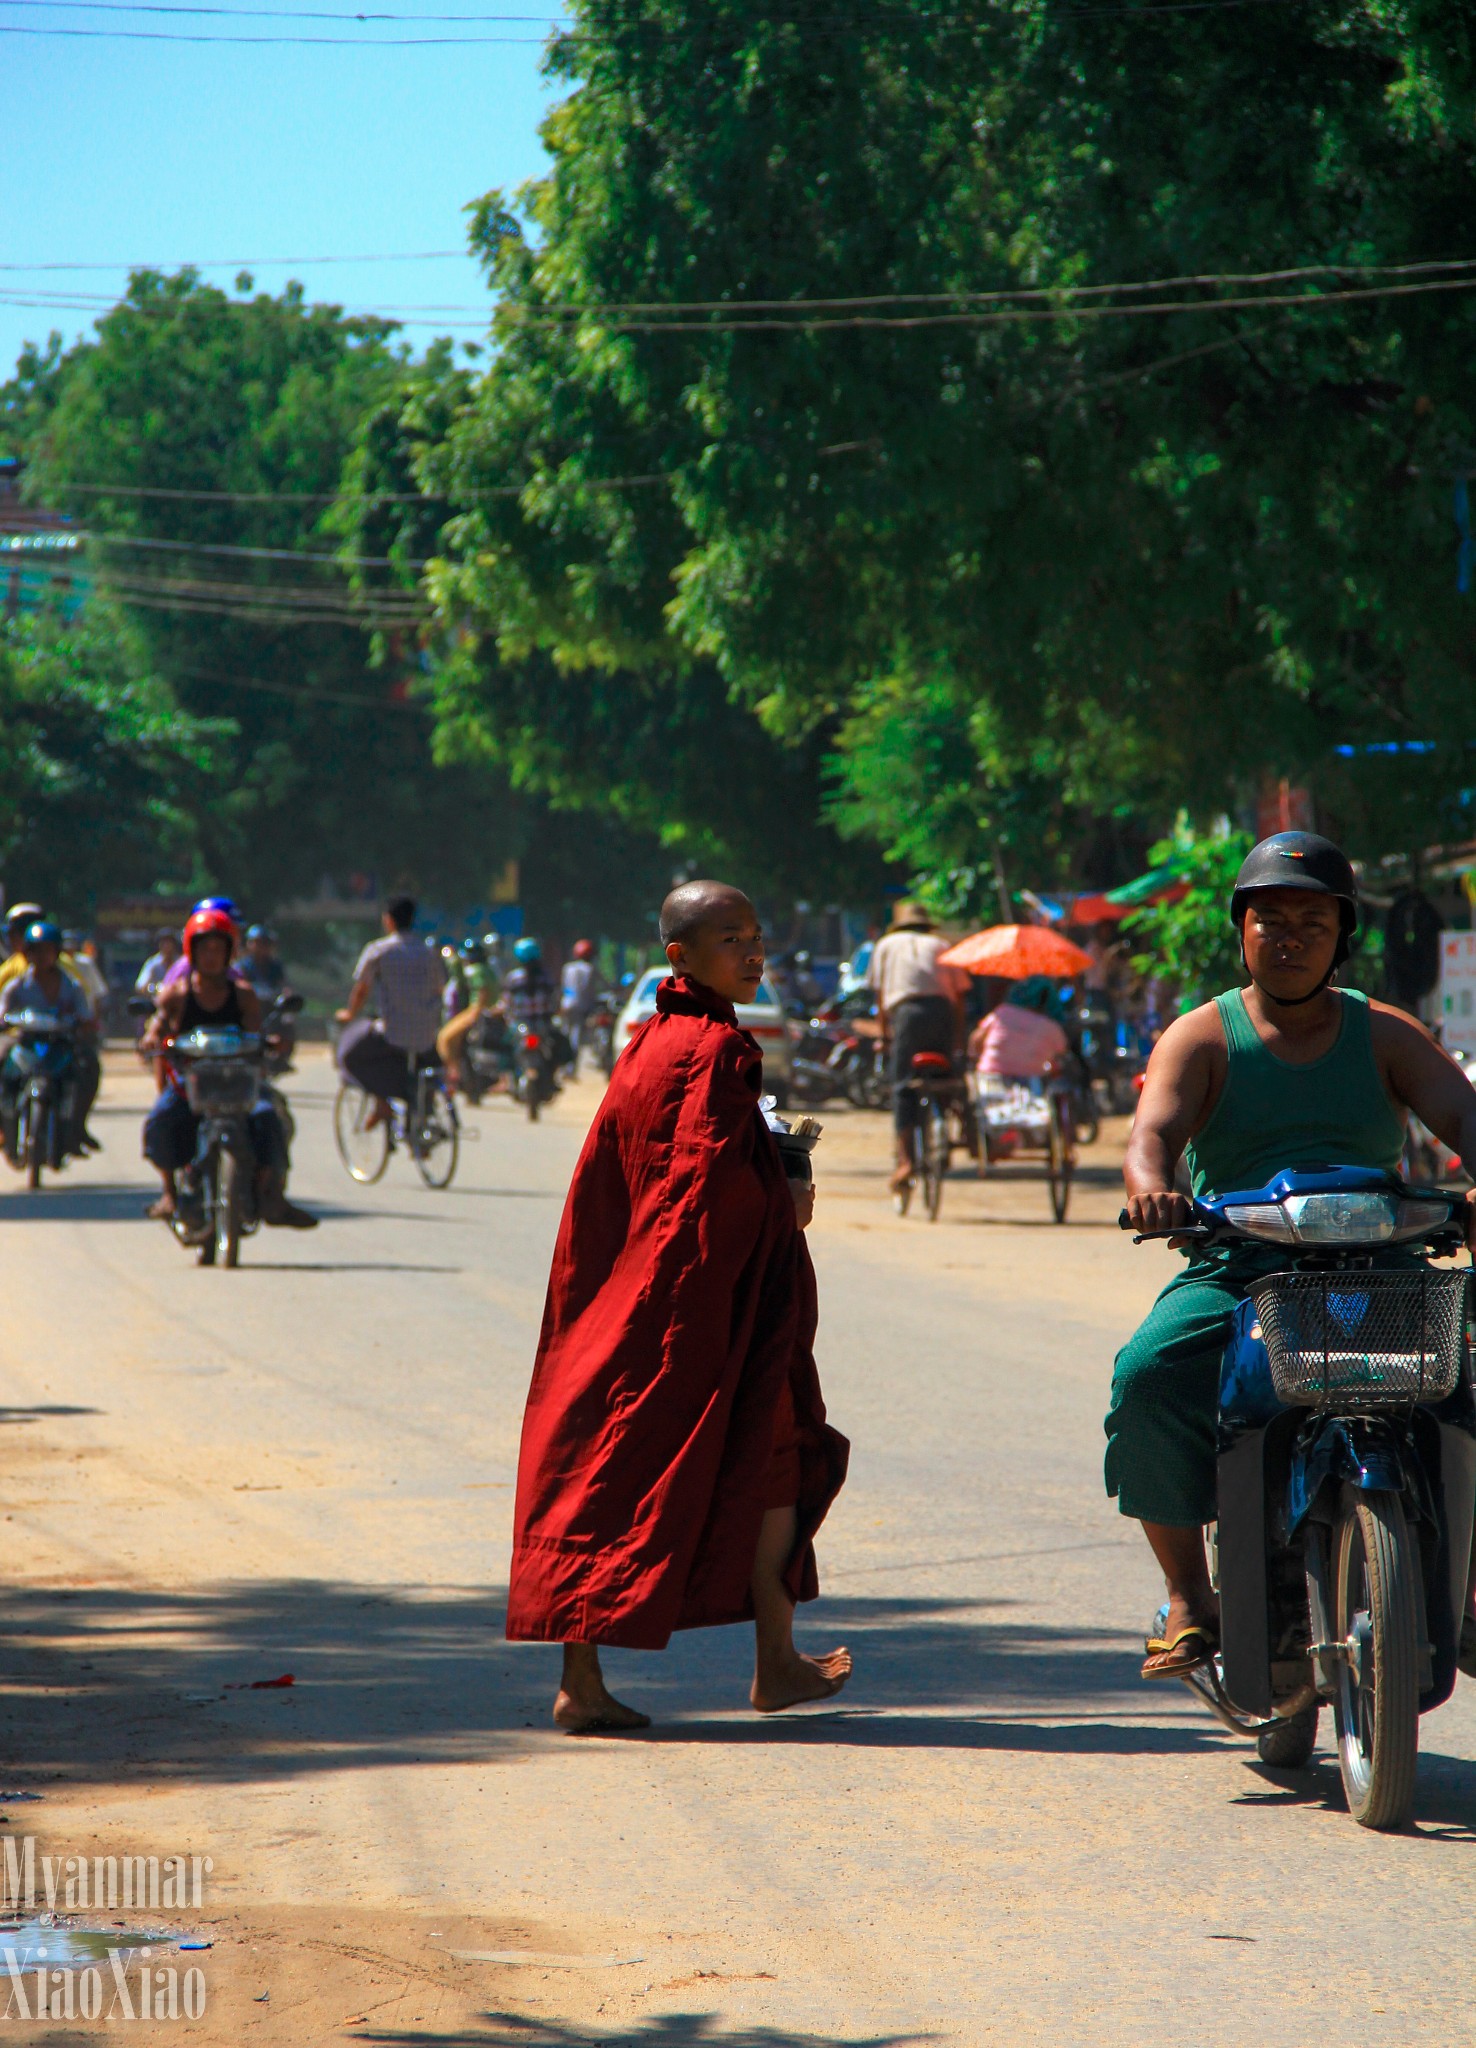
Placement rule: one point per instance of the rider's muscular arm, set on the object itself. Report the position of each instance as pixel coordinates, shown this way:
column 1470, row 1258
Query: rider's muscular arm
column 1177, row 1095
column 164, row 1022
column 1423, row 1076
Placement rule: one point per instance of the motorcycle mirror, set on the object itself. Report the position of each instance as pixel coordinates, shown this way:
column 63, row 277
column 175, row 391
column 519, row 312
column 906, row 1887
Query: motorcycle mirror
column 290, row 1005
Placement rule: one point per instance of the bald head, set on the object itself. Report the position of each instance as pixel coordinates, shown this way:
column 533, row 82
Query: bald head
column 695, row 904
column 711, row 932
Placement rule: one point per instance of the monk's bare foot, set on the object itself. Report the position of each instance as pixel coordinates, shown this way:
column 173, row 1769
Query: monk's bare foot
column 594, row 1712
column 798, row 1679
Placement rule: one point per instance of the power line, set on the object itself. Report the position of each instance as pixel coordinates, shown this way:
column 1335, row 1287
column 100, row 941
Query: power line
column 558, row 24
column 576, row 308
column 170, row 491
column 200, row 547
column 1055, row 301
column 249, row 262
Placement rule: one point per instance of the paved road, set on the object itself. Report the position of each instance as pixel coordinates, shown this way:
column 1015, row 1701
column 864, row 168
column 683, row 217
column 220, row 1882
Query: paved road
column 306, row 1467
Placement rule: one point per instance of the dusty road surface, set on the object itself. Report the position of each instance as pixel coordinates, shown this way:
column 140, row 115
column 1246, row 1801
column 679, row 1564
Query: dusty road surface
column 999, row 1835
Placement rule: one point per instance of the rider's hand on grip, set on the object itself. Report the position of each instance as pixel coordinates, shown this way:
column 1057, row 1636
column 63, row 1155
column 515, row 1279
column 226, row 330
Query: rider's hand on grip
column 1158, row 1215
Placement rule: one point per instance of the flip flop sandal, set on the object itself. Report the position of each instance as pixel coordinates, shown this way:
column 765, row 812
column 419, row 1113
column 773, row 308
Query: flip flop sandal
column 1195, row 1645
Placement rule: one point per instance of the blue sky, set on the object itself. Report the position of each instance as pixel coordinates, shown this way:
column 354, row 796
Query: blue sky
column 114, row 152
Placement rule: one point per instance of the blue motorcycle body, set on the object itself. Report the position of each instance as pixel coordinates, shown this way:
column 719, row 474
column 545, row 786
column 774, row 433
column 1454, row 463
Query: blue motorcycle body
column 1282, row 1474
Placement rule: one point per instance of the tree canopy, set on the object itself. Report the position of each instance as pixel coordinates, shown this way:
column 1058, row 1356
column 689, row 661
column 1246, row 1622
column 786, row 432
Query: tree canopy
column 1046, row 418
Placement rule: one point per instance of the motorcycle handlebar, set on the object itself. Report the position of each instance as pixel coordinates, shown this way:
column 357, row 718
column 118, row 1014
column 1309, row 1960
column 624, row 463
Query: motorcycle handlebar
column 1194, row 1230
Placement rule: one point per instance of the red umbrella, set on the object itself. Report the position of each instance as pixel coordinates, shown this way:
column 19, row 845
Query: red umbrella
column 1017, row 951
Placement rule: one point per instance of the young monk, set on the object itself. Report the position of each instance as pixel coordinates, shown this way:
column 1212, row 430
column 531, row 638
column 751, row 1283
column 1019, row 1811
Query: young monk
column 676, row 1461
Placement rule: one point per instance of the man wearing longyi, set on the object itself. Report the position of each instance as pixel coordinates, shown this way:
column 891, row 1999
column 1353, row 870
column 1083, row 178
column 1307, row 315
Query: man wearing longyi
column 676, row 1461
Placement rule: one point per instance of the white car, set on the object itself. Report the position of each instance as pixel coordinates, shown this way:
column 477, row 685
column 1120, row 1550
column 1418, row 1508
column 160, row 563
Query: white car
column 764, row 1017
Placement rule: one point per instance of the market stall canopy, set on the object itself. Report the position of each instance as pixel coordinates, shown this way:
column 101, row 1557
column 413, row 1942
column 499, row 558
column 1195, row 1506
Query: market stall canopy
column 1159, row 885
column 1016, row 951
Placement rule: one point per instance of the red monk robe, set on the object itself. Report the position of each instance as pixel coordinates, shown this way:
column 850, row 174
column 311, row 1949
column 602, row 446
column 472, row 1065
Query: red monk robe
column 675, row 1396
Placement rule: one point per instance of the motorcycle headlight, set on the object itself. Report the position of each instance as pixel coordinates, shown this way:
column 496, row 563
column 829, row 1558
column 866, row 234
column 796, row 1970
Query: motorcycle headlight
column 1343, row 1219
column 1417, row 1218
column 1262, row 1219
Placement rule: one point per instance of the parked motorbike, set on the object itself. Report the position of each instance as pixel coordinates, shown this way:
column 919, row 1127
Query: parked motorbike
column 539, row 1050
column 1346, row 1474
column 42, row 1058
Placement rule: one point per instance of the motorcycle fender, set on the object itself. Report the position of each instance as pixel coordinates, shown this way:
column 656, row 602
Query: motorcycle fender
column 1447, row 1572
column 1245, row 1626
column 1352, row 1450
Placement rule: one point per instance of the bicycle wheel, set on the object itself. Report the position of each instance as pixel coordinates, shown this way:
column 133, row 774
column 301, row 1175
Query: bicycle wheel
column 436, row 1145
column 902, row 1197
column 936, row 1151
column 1060, row 1158
column 364, row 1150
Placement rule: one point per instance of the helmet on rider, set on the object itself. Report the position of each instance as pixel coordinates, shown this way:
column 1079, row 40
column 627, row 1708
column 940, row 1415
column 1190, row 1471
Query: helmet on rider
column 526, row 951
column 583, row 949
column 205, row 924
column 1306, row 861
column 41, row 932
column 261, row 934
column 227, row 908
column 471, row 949
column 17, row 918
column 1299, row 860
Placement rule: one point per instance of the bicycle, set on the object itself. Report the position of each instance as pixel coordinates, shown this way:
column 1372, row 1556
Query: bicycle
column 935, row 1090
column 427, row 1127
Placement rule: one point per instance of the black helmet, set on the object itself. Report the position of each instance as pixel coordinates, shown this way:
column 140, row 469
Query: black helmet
column 1300, row 860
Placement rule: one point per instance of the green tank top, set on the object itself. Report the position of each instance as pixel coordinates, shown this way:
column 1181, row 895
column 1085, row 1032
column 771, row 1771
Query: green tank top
column 1272, row 1116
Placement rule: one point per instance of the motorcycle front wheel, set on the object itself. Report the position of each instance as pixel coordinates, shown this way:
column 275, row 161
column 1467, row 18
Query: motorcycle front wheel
column 227, row 1210
column 31, row 1144
column 1060, row 1158
column 1376, row 1706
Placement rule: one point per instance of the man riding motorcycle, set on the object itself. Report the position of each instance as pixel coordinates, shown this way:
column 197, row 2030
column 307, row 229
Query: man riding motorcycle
column 261, row 965
column 211, row 997
column 86, row 1066
column 477, row 985
column 1289, row 1072
column 578, row 991
column 45, row 986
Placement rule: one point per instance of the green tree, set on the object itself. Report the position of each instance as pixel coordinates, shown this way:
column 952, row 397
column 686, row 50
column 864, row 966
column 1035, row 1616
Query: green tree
column 97, row 764
column 200, row 440
column 1020, row 575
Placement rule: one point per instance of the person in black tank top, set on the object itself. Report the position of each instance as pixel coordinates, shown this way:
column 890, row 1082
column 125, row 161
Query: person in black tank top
column 1286, row 1073
column 211, row 998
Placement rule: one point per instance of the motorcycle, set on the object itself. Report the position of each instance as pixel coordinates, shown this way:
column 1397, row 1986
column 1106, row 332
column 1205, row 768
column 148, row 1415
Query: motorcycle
column 486, row 1059
column 42, row 1059
column 223, row 1070
column 598, row 1035
column 540, row 1049
column 1346, row 1478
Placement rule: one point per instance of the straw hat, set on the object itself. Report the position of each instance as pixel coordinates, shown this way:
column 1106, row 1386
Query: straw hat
column 911, row 916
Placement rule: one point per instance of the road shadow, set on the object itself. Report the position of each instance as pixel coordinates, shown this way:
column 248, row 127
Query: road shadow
column 1445, row 1791
column 18, row 1415
column 109, row 1682
column 655, row 2030
column 77, row 1202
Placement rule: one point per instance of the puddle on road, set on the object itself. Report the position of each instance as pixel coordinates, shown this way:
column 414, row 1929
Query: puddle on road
column 30, row 1942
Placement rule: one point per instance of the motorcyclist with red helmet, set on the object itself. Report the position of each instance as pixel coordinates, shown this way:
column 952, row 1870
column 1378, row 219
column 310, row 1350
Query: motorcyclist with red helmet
column 210, row 995
column 578, row 993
